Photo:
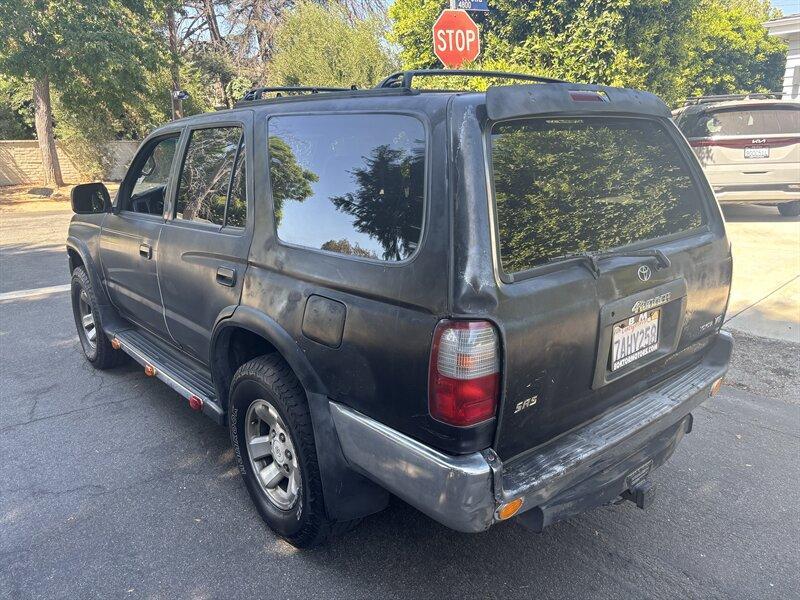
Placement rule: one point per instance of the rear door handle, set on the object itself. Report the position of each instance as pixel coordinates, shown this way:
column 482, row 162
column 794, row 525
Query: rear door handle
column 145, row 251
column 226, row 276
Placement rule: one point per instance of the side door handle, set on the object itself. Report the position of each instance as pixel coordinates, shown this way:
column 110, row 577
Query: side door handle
column 145, row 251
column 226, row 276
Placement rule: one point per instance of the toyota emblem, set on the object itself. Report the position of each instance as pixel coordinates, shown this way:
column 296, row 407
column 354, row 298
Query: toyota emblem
column 644, row 273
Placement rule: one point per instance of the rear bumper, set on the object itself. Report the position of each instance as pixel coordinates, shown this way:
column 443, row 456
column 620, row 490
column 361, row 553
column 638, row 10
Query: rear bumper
column 581, row 469
column 757, row 194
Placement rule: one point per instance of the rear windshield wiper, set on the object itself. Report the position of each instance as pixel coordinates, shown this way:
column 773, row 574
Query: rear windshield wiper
column 591, row 258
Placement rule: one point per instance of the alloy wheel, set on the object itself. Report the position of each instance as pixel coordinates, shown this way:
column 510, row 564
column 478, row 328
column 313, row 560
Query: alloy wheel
column 87, row 319
column 272, row 454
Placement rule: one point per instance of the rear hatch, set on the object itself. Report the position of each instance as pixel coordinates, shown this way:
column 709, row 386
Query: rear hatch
column 746, row 144
column 609, row 260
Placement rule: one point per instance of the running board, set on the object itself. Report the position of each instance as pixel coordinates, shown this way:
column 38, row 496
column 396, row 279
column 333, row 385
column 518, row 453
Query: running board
column 190, row 379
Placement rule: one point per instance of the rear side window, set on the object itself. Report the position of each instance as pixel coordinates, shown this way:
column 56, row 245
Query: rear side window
column 567, row 186
column 351, row 184
column 748, row 121
column 206, row 176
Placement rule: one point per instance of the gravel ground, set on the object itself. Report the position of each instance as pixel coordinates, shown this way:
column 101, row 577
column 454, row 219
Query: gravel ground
column 767, row 367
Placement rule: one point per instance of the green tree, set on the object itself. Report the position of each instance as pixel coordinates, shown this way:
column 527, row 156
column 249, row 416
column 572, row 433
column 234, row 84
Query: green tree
column 325, row 46
column 669, row 47
column 616, row 42
column 93, row 52
column 16, row 121
column 732, row 52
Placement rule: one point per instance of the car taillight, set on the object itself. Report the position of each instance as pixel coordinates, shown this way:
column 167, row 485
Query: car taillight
column 464, row 372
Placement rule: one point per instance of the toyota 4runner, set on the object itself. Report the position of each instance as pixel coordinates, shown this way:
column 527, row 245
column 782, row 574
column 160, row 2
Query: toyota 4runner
column 492, row 305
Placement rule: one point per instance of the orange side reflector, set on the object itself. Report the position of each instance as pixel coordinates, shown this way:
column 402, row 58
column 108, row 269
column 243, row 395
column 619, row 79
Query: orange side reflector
column 149, row 370
column 715, row 386
column 509, row 509
column 115, row 344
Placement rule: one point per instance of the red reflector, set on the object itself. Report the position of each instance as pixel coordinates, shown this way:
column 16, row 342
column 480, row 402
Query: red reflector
column 464, row 372
column 195, row 402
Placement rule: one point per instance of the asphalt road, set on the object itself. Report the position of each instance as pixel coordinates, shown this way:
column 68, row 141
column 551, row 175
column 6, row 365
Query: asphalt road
column 111, row 487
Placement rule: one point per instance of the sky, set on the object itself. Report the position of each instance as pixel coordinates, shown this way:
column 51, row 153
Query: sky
column 789, row 7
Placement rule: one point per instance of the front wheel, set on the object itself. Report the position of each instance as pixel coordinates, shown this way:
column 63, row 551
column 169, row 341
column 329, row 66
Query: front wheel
column 95, row 343
column 272, row 435
column 790, row 209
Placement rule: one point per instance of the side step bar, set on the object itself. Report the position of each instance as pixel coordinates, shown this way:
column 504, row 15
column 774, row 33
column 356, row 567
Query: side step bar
column 190, row 380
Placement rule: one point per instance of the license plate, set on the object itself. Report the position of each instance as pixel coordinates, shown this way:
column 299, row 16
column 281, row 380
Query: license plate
column 756, row 152
column 634, row 338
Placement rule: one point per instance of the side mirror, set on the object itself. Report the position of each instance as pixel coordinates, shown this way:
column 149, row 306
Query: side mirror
column 90, row 198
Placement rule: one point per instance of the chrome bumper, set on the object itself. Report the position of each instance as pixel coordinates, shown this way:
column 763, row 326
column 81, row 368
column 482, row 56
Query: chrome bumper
column 464, row 492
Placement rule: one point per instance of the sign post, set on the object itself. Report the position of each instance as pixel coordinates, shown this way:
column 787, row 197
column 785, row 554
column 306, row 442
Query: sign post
column 456, row 38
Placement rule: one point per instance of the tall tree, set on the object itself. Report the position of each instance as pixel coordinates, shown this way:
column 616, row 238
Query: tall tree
column 43, row 111
column 322, row 46
column 732, row 51
column 86, row 50
column 658, row 45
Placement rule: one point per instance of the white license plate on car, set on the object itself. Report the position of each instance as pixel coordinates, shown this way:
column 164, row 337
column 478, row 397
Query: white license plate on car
column 756, row 152
column 634, row 338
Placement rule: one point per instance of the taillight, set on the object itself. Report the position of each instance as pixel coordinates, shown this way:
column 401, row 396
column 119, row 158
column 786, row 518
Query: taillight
column 464, row 372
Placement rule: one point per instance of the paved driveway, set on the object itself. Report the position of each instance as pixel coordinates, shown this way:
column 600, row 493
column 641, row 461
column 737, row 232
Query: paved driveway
column 111, row 487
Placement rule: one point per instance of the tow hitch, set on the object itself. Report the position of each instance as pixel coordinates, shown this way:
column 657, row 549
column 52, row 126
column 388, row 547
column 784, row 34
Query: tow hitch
column 642, row 493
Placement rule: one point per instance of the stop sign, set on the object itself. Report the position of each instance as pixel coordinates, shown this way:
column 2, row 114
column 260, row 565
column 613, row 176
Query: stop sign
column 456, row 39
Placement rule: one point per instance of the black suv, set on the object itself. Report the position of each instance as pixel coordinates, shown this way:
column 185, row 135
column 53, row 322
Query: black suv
column 488, row 304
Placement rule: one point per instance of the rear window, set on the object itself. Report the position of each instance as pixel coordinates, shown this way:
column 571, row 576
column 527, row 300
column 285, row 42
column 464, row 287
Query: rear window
column 751, row 121
column 351, row 184
column 567, row 186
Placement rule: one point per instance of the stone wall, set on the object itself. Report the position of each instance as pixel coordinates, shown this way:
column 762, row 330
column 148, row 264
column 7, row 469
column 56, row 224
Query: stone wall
column 21, row 162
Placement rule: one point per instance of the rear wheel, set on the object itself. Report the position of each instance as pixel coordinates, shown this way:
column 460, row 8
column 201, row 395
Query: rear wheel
column 271, row 431
column 790, row 209
column 95, row 343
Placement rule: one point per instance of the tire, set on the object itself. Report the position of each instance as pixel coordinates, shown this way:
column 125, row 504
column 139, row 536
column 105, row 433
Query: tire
column 790, row 209
column 97, row 347
column 261, row 387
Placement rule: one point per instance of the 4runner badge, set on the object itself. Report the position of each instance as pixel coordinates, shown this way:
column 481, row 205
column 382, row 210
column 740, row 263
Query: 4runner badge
column 642, row 305
column 527, row 403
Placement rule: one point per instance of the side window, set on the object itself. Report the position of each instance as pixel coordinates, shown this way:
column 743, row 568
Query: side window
column 151, row 179
column 352, row 184
column 206, row 174
column 237, row 199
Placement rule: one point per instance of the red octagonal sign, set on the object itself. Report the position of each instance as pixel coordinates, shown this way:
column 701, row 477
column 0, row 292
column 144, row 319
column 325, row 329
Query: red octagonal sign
column 456, row 38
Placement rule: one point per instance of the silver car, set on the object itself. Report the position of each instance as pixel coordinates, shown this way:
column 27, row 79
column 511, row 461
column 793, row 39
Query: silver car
column 749, row 147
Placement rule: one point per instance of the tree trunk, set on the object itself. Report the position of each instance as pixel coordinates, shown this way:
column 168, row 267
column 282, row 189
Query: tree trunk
column 44, row 132
column 219, row 45
column 177, row 104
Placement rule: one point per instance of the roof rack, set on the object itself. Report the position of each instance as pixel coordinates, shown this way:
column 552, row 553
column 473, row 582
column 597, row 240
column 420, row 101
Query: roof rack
column 403, row 79
column 693, row 100
column 258, row 93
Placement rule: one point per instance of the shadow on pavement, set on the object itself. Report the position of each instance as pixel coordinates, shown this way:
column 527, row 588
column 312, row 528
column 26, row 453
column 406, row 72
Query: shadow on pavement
column 749, row 213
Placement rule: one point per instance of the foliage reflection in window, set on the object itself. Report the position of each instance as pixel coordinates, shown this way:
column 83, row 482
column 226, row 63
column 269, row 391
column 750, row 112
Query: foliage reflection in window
column 206, row 174
column 236, row 215
column 351, row 184
column 566, row 186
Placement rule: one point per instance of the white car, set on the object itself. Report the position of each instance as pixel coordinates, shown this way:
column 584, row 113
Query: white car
column 749, row 147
